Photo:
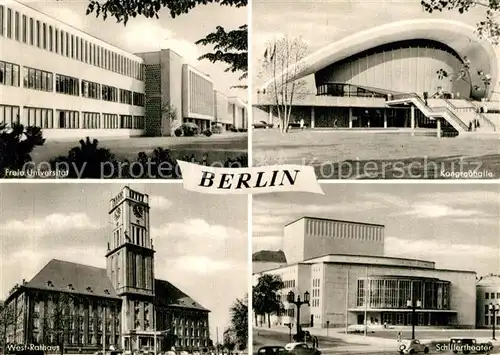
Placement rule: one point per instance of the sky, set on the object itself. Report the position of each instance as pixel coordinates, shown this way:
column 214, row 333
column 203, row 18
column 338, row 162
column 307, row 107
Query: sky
column 322, row 22
column 455, row 225
column 199, row 249
column 143, row 35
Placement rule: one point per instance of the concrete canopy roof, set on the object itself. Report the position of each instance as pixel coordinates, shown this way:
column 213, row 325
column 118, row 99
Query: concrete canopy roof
column 460, row 37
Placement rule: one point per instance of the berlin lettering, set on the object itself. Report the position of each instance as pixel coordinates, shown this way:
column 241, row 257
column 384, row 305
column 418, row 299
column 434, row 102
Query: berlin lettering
column 245, row 180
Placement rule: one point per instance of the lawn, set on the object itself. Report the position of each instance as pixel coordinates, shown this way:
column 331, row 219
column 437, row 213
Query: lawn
column 216, row 148
column 368, row 155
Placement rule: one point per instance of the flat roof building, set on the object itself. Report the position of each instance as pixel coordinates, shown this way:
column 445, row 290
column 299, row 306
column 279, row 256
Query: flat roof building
column 345, row 281
column 387, row 77
column 71, row 84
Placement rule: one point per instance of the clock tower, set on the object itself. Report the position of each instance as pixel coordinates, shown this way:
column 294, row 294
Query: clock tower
column 130, row 266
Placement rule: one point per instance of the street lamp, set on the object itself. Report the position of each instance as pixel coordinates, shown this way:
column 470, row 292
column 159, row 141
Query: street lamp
column 291, row 299
column 494, row 308
column 413, row 305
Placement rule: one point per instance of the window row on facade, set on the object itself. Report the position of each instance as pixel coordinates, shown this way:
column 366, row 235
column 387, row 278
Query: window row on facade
column 66, row 119
column 344, row 230
column 28, row 30
column 201, row 95
column 491, row 296
column 37, row 79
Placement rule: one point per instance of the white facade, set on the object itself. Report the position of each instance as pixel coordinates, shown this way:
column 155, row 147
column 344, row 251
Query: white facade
column 55, row 76
column 488, row 293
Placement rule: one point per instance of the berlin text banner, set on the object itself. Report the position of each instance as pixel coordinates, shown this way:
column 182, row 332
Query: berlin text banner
column 257, row 180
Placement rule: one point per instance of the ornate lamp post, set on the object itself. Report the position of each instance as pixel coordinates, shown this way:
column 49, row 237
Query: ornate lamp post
column 494, row 309
column 297, row 302
column 413, row 304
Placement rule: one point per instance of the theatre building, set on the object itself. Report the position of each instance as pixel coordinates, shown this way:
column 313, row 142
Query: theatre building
column 488, row 298
column 72, row 84
column 386, row 78
column 89, row 308
column 341, row 264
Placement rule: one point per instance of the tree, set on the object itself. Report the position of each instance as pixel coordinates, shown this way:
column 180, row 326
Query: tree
column 16, row 145
column 57, row 321
column 238, row 331
column 230, row 47
column 7, row 319
column 281, row 65
column 463, row 74
column 488, row 28
column 266, row 297
column 169, row 114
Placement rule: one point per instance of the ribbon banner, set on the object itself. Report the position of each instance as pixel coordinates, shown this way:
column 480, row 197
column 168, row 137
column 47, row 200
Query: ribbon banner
column 257, row 180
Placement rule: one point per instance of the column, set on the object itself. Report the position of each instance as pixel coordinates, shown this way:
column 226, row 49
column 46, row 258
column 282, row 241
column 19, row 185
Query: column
column 312, row 116
column 350, row 117
column 412, row 117
column 385, row 118
column 438, row 127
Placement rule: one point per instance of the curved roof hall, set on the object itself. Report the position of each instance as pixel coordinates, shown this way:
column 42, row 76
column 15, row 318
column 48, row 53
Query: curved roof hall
column 461, row 37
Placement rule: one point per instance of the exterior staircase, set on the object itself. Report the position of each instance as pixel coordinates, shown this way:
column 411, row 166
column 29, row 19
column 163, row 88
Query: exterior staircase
column 458, row 113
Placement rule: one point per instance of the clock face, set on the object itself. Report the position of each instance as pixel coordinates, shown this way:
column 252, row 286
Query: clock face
column 118, row 213
column 138, row 211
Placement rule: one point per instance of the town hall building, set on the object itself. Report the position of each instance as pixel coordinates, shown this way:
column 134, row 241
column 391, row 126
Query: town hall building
column 122, row 307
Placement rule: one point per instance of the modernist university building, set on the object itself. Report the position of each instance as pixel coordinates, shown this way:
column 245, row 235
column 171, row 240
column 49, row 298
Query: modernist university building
column 72, row 84
column 123, row 306
column 387, row 77
column 342, row 266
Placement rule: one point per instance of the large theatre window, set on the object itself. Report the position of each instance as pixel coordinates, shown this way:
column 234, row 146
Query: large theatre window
column 9, row 74
column 44, row 34
column 138, row 99
column 38, row 34
column 38, row 79
column 51, row 39
column 9, row 115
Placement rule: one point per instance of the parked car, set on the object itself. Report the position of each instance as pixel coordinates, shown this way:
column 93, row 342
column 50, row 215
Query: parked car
column 272, row 350
column 296, row 125
column 263, row 124
column 413, row 346
column 359, row 328
column 469, row 346
column 301, row 349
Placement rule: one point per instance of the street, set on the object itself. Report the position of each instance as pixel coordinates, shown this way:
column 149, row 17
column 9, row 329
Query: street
column 336, row 345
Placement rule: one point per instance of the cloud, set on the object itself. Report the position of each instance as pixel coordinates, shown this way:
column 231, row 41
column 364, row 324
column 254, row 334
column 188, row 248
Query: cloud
column 432, row 210
column 159, row 202
column 450, row 255
column 53, row 223
column 202, row 264
column 146, row 36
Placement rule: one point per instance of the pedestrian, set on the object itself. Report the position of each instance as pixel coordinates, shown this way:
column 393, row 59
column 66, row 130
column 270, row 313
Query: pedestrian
column 335, row 123
column 301, row 123
column 399, row 337
column 317, row 342
column 470, row 126
column 385, row 325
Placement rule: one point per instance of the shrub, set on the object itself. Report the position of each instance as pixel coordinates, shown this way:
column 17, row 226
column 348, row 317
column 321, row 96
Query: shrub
column 238, row 162
column 16, row 145
column 87, row 161
column 160, row 164
column 178, row 132
column 217, row 130
column 207, row 132
column 190, row 129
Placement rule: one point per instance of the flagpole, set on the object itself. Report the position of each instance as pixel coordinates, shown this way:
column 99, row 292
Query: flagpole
column 347, row 302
